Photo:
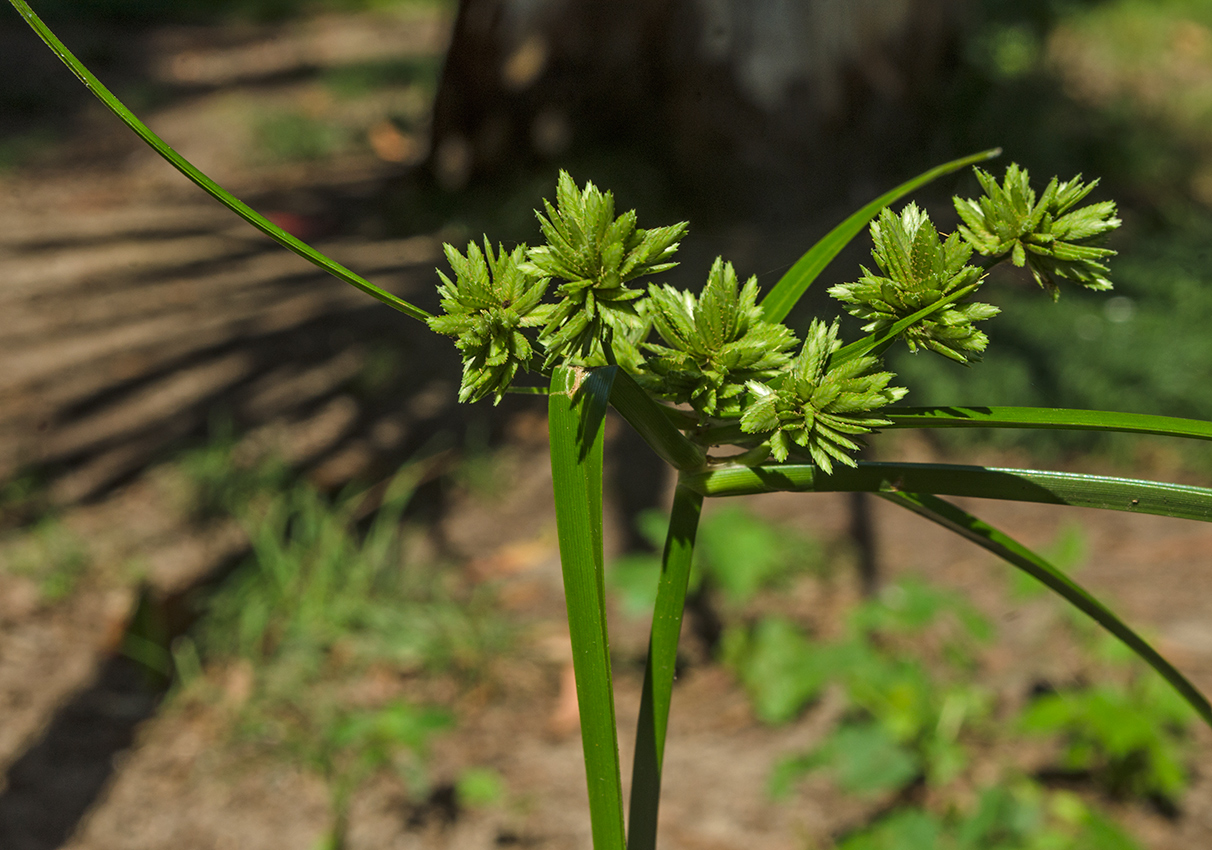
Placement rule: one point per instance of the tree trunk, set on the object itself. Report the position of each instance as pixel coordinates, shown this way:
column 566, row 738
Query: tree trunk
column 745, row 99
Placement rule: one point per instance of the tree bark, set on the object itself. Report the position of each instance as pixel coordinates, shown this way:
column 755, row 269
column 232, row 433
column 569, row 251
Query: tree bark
column 745, row 97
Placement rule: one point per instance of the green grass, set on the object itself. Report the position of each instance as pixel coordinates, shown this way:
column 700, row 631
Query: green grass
column 289, row 136
column 50, row 554
column 367, row 78
column 324, row 601
column 917, row 712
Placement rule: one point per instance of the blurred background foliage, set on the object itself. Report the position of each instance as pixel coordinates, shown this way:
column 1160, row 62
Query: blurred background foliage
column 144, row 12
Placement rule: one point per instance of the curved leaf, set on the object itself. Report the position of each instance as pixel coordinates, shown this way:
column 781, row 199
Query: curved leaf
column 205, row 183
column 1019, row 485
column 1045, row 417
column 792, row 286
column 966, row 525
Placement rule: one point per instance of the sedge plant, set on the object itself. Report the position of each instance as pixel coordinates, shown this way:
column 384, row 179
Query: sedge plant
column 578, row 319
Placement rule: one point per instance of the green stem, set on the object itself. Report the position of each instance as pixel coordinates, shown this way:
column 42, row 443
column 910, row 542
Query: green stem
column 1019, row 485
column 576, row 418
column 205, row 183
column 659, row 671
column 655, row 424
column 966, row 525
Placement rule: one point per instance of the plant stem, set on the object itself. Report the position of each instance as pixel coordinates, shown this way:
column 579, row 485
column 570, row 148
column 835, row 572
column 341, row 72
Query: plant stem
column 654, row 424
column 660, row 668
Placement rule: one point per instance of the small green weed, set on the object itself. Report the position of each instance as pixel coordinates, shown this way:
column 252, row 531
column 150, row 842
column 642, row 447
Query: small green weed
column 321, row 606
column 365, row 78
column 52, row 555
column 914, row 714
column 738, row 555
column 1018, row 817
column 480, row 787
column 290, row 136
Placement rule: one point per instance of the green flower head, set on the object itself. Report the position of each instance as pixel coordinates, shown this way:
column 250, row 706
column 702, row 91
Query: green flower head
column 1050, row 234
column 918, row 269
column 715, row 343
column 491, row 299
column 817, row 405
column 595, row 255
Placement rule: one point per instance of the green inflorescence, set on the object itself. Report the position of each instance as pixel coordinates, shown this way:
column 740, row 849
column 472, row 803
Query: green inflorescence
column 486, row 307
column 818, row 404
column 715, row 351
column 1050, row 234
column 714, row 344
column 919, row 269
column 595, row 255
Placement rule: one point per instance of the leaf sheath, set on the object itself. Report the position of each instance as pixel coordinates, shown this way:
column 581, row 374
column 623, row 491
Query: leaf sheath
column 577, row 413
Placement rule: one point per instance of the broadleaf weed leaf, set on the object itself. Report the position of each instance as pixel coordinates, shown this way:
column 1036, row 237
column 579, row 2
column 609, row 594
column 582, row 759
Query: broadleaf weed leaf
column 595, row 255
column 819, row 408
column 917, row 269
column 492, row 298
column 714, row 344
column 1048, row 234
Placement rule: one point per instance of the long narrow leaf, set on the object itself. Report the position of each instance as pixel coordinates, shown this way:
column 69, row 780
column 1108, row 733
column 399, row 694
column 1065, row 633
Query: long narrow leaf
column 792, row 286
column 576, row 418
column 658, row 674
column 1045, row 417
column 965, row 524
column 205, row 183
column 653, row 423
column 1019, row 485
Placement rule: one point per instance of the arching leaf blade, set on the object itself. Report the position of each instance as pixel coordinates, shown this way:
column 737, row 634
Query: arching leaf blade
column 966, row 525
column 1020, row 485
column 1046, row 417
column 209, row 186
column 792, row 286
